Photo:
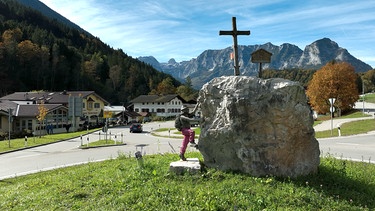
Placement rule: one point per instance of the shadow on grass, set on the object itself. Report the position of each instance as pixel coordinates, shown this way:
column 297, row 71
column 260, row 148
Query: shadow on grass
column 343, row 180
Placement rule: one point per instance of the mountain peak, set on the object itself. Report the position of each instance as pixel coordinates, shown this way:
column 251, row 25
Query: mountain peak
column 214, row 63
column 172, row 61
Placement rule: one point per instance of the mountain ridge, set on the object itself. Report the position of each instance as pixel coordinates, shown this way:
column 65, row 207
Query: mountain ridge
column 45, row 10
column 213, row 63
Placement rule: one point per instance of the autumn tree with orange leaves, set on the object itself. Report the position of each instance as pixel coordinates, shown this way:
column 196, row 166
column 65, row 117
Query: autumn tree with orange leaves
column 334, row 80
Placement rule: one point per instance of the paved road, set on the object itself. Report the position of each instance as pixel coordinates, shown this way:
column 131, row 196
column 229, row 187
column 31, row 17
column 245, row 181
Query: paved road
column 67, row 153
column 357, row 148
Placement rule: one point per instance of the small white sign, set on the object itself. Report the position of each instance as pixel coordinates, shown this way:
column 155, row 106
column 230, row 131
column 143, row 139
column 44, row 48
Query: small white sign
column 332, row 100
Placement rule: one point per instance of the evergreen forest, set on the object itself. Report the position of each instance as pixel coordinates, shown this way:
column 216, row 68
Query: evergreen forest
column 39, row 53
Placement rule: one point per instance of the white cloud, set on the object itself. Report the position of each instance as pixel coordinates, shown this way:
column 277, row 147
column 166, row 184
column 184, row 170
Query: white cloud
column 183, row 29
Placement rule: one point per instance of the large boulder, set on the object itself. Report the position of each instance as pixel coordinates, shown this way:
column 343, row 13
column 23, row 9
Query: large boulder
column 256, row 126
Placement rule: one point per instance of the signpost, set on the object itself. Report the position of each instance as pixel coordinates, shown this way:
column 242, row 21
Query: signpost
column 261, row 56
column 75, row 105
column 332, row 110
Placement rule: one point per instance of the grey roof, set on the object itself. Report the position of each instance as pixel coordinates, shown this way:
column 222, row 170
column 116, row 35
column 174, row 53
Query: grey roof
column 129, row 114
column 32, row 109
column 5, row 105
column 49, row 97
column 156, row 98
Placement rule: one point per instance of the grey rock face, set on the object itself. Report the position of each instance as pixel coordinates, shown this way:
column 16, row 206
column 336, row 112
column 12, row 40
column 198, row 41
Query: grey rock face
column 256, row 126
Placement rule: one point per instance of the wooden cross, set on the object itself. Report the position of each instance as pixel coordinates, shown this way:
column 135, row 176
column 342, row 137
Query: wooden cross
column 234, row 33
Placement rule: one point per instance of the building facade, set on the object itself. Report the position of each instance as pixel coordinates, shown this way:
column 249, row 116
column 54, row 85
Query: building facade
column 19, row 111
column 160, row 105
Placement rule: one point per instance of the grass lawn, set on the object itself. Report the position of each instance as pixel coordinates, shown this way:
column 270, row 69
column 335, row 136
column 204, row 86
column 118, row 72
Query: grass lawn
column 126, row 184
column 370, row 98
column 349, row 128
column 105, row 142
column 174, row 133
column 36, row 140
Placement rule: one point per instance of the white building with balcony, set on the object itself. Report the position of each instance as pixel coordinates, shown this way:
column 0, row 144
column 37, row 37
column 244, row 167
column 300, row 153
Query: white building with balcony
column 159, row 105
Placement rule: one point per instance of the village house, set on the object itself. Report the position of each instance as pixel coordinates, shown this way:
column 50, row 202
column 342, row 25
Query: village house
column 119, row 115
column 160, row 105
column 65, row 109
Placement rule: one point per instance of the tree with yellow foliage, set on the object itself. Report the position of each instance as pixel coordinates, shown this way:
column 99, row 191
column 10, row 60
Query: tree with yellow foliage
column 42, row 113
column 334, row 80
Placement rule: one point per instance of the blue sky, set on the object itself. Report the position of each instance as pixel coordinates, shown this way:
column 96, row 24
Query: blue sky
column 183, row 29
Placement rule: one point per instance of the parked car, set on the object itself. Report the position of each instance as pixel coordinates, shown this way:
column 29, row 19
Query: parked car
column 136, row 128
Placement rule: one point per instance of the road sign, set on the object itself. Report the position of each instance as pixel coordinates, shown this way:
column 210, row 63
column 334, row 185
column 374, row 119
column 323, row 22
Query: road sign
column 332, row 100
column 107, row 114
column 261, row 56
column 332, row 109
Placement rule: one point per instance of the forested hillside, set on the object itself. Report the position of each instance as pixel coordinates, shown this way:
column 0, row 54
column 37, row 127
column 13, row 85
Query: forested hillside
column 37, row 53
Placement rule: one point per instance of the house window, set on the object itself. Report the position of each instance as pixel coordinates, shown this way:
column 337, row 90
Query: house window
column 89, row 105
column 83, row 105
column 29, row 124
column 136, row 110
column 97, row 105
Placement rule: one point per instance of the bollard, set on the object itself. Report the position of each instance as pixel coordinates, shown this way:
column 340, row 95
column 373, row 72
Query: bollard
column 339, row 130
column 25, row 141
column 88, row 141
column 122, row 138
column 138, row 156
column 99, row 136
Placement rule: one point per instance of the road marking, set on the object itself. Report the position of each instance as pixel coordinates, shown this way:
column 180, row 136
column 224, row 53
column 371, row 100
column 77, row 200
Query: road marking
column 26, row 156
column 350, row 144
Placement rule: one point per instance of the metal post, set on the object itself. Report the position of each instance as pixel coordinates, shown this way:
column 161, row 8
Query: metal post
column 25, row 141
column 9, row 121
column 363, row 97
column 331, row 122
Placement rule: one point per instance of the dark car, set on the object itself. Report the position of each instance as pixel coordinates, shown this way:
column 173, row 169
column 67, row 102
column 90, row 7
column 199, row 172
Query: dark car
column 136, row 128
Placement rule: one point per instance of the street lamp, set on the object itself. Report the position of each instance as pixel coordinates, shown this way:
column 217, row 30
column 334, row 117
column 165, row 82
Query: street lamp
column 363, row 97
column 123, row 111
column 9, row 123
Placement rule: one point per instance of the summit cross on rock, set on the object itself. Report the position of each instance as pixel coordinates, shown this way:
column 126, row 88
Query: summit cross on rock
column 234, row 33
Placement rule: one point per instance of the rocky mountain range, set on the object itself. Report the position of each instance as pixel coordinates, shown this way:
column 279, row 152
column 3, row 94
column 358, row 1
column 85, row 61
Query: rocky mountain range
column 213, row 63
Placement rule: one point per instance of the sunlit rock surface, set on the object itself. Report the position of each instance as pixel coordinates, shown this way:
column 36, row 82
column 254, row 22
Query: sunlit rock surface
column 261, row 127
